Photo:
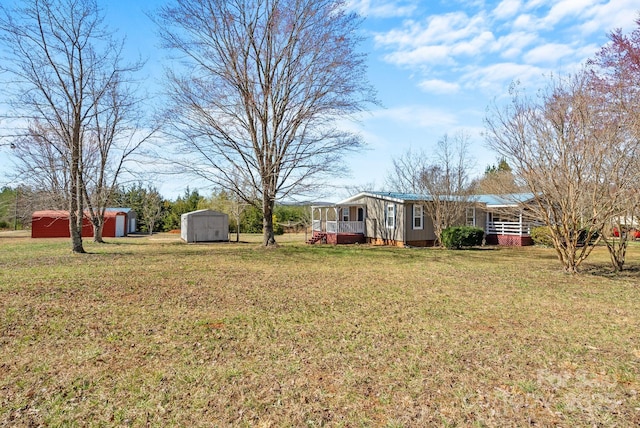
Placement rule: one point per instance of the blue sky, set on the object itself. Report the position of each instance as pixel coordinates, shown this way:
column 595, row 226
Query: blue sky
column 435, row 64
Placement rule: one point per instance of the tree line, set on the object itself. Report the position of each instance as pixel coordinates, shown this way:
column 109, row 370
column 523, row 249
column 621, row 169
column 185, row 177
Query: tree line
column 156, row 213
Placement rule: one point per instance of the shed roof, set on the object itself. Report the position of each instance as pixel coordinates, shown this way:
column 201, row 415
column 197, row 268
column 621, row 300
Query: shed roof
column 119, row 209
column 51, row 213
column 205, row 212
column 65, row 214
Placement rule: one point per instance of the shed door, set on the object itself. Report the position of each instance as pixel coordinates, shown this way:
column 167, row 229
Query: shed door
column 120, row 222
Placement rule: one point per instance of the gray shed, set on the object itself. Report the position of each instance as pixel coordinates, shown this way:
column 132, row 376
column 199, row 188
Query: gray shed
column 204, row 226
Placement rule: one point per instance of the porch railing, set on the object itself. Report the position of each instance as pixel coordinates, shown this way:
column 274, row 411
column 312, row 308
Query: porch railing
column 345, row 227
column 509, row 228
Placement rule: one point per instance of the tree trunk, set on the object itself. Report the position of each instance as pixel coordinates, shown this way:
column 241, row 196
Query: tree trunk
column 74, row 230
column 75, row 206
column 267, row 222
column 98, row 226
column 617, row 252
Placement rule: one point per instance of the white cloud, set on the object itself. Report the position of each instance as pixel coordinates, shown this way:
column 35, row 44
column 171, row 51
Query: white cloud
column 438, row 40
column 475, row 46
column 496, row 77
column 526, row 22
column 421, row 56
column 564, row 9
column 603, row 18
column 382, row 9
column 513, row 44
column 419, row 116
column 550, row 53
column 438, row 86
column 507, row 9
column 443, row 29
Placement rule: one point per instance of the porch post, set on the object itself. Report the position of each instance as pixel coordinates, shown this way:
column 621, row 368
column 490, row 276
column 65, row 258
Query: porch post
column 520, row 222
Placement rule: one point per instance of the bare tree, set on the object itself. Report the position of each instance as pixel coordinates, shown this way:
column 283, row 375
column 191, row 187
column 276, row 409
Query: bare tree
column 571, row 149
column 263, row 86
column 152, row 209
column 615, row 73
column 110, row 143
column 442, row 178
column 64, row 64
column 41, row 161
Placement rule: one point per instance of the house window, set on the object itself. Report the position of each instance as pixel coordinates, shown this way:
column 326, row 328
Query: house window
column 391, row 216
column 345, row 214
column 471, row 217
column 418, row 217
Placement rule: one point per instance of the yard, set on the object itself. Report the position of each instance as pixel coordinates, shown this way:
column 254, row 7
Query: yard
column 151, row 332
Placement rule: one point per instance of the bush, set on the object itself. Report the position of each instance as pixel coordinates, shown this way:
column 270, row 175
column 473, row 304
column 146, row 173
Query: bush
column 541, row 236
column 4, row 225
column 462, row 236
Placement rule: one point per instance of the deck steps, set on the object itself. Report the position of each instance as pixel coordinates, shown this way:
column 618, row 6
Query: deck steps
column 318, row 237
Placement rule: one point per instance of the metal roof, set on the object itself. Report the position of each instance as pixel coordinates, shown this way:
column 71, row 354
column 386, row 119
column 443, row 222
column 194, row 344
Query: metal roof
column 513, row 199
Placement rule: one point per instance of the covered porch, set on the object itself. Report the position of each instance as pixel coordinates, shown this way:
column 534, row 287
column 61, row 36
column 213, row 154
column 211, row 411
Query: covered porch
column 510, row 229
column 338, row 224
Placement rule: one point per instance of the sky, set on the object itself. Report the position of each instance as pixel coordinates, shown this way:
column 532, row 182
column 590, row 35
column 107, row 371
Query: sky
column 436, row 66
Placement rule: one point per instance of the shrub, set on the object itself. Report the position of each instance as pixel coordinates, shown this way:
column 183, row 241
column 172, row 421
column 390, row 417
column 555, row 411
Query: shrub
column 4, row 225
column 541, row 236
column 462, row 236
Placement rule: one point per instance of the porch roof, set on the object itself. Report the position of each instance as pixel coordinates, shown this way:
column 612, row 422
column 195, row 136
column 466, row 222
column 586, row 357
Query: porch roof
column 504, row 201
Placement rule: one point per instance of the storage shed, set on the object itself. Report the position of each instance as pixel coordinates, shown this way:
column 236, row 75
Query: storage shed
column 55, row 224
column 132, row 218
column 204, row 226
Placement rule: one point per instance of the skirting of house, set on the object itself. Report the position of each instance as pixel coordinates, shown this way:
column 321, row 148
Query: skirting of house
column 509, row 240
column 345, row 238
column 423, row 243
column 380, row 241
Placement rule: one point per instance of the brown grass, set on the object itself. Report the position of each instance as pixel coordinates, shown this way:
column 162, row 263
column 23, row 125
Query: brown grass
column 147, row 331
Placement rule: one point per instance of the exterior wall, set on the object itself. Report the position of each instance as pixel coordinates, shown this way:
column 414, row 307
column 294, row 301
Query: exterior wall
column 132, row 221
column 109, row 230
column 46, row 225
column 375, row 229
column 204, row 226
column 509, row 240
column 418, row 237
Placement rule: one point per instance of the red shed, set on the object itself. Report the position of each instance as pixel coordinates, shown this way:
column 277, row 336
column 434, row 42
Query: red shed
column 55, row 224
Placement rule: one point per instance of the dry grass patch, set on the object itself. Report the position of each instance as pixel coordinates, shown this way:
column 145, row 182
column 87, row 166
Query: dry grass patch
column 153, row 332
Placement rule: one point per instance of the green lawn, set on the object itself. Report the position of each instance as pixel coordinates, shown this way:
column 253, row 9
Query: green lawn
column 148, row 331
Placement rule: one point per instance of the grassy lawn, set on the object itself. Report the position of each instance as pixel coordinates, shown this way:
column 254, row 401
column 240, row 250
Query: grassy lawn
column 147, row 331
